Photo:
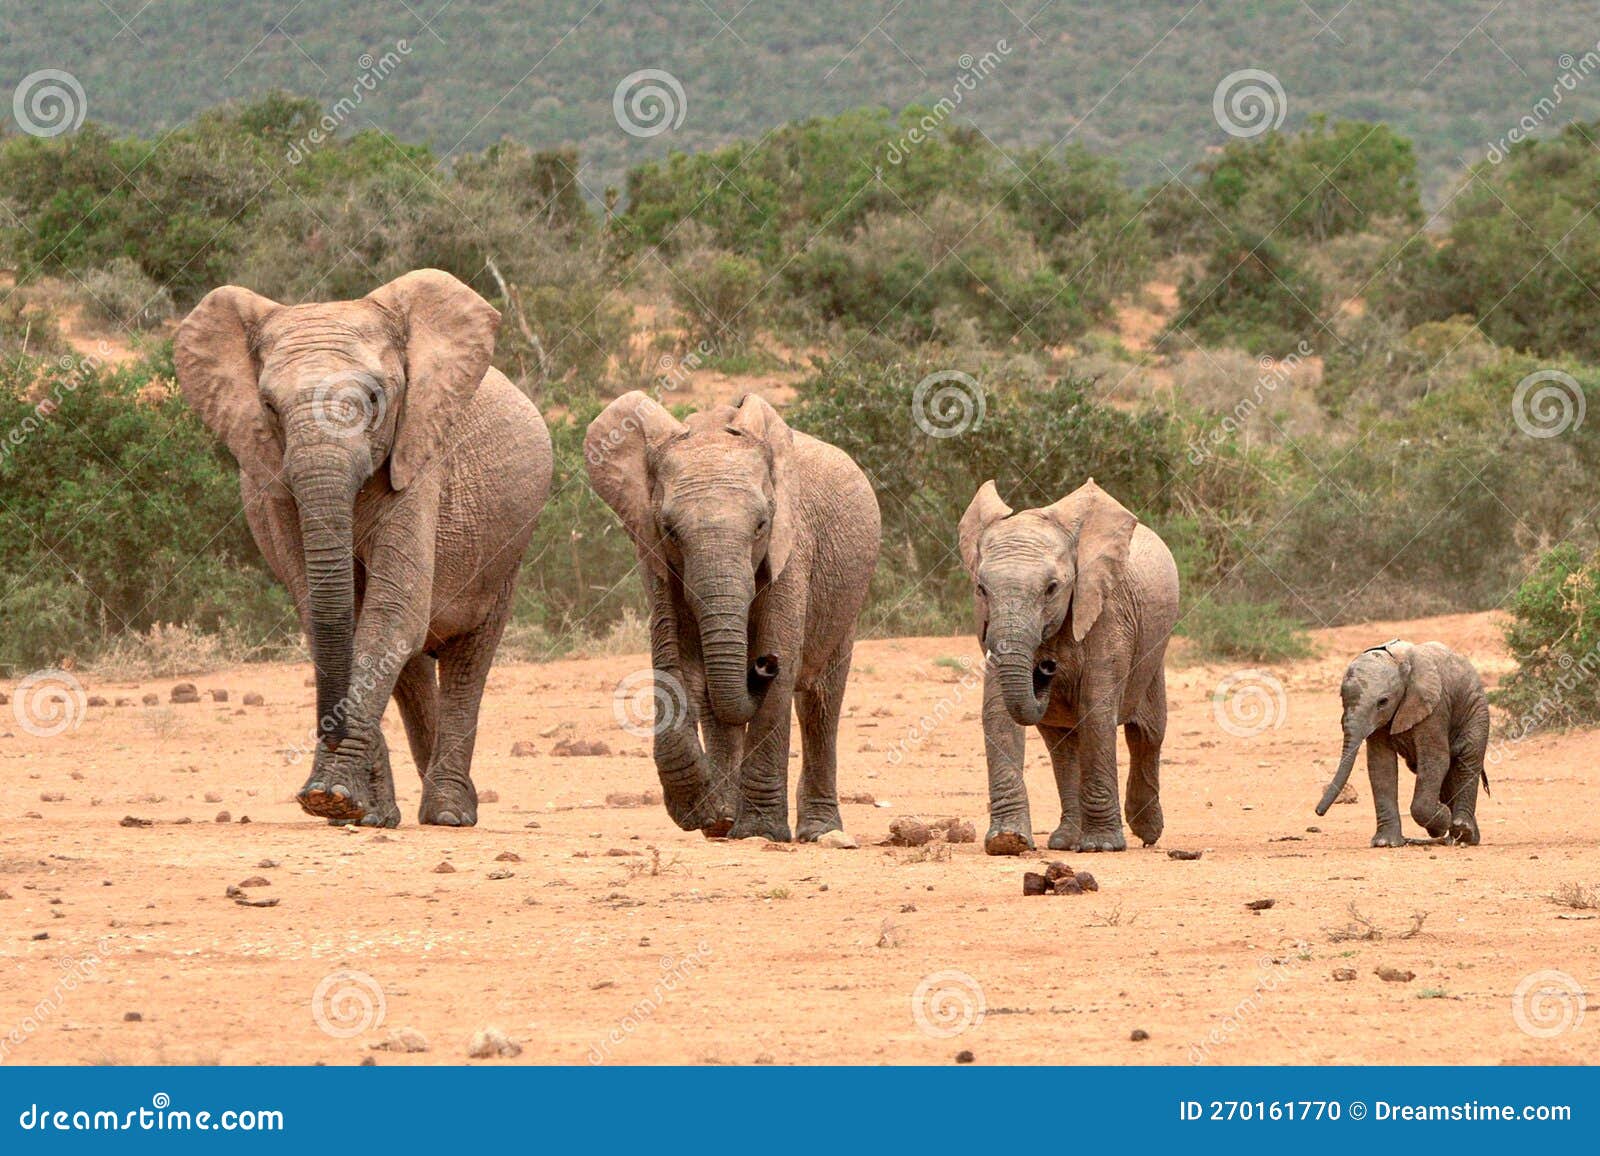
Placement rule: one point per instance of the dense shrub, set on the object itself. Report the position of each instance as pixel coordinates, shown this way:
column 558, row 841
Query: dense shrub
column 1554, row 633
column 1250, row 294
column 121, row 294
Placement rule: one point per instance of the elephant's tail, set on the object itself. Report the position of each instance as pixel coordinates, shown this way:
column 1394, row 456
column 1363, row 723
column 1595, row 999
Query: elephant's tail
column 1483, row 773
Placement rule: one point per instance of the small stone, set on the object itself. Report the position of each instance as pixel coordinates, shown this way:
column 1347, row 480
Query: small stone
column 1185, row 855
column 488, row 796
column 838, row 840
column 1344, row 974
column 38, row 935
column 52, row 797
column 256, row 881
column 403, row 1040
column 1394, row 974
column 908, row 831
column 96, row 700
column 368, row 1062
column 965, row 1057
column 267, row 864
column 151, row 699
column 1138, row 1035
column 1034, row 883
column 185, row 692
column 213, row 796
column 490, row 1043
column 132, row 1018
column 244, row 818
column 224, row 817
column 1313, row 830
column 131, row 821
column 218, row 695
column 124, row 701
column 631, row 799
column 523, row 749
column 508, row 857
column 861, row 798
column 580, row 747
column 444, row 868
column 502, row 873
column 1261, row 904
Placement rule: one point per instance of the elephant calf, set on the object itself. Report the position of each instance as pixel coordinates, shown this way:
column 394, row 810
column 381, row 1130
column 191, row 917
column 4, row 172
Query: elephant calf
column 391, row 477
column 1075, row 604
column 757, row 545
column 1426, row 704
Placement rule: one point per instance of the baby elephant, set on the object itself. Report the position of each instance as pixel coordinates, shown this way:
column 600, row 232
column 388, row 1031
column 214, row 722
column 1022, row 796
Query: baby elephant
column 1426, row 704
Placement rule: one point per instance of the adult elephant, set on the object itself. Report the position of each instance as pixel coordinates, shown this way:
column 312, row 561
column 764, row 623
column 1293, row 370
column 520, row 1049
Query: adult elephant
column 391, row 478
column 757, row 545
column 1075, row 603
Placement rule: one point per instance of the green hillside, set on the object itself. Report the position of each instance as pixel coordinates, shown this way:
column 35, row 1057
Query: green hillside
column 1134, row 79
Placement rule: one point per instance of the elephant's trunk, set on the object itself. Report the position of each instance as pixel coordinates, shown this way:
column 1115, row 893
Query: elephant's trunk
column 1024, row 683
column 734, row 684
column 1353, row 738
column 326, row 498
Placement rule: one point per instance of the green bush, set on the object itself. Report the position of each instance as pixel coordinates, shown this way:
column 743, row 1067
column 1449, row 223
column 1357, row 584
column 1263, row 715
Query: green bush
column 1554, row 633
column 1252, row 295
column 1243, row 631
column 120, row 294
column 717, row 292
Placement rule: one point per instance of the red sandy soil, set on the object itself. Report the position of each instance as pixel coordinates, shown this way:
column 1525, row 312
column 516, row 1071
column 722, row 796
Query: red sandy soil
column 615, row 936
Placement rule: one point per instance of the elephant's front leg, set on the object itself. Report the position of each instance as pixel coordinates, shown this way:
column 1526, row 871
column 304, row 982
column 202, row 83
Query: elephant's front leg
column 764, row 769
column 353, row 783
column 1063, row 747
column 1383, row 773
column 698, row 783
column 1010, row 827
column 1433, row 764
column 1097, row 755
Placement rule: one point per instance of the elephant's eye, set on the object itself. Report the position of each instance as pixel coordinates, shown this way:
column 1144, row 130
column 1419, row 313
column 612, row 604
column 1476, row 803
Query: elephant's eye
column 983, row 591
column 1050, row 590
column 761, row 526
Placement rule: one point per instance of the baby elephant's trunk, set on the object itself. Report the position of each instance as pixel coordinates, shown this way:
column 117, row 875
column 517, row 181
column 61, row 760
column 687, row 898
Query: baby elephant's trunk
column 1352, row 747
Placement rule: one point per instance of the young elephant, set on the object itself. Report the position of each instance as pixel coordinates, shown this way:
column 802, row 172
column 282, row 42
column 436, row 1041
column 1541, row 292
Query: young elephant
column 1075, row 603
column 1425, row 703
column 391, row 479
column 758, row 544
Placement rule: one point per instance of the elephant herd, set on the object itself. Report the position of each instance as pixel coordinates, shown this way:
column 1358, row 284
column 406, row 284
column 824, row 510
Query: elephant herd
column 392, row 478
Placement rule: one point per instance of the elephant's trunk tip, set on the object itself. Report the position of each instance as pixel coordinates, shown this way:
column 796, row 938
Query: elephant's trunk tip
column 762, row 671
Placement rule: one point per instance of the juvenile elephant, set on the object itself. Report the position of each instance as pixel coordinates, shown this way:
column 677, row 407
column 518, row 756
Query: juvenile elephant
column 757, row 545
column 1075, row 603
column 391, row 479
column 1426, row 704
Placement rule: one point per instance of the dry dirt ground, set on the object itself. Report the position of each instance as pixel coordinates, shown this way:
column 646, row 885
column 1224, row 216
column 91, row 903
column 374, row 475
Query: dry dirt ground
column 607, row 934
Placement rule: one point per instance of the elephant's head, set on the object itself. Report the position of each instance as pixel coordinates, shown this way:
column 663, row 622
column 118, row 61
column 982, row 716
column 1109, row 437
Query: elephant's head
column 1037, row 573
column 314, row 400
column 1395, row 685
column 708, row 503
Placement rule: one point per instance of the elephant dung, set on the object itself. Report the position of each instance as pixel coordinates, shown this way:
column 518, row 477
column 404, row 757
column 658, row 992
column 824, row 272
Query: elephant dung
column 523, row 749
column 960, row 831
column 1394, row 974
column 1087, row 881
column 1059, row 870
column 1344, row 974
column 124, row 702
column 1034, row 883
column 97, row 700
column 151, row 699
column 403, row 1040
column 218, row 695
column 1347, row 795
column 254, row 699
column 909, row 832
column 580, row 747
column 1067, row 885
column 185, row 692
column 490, row 1043
column 1186, row 855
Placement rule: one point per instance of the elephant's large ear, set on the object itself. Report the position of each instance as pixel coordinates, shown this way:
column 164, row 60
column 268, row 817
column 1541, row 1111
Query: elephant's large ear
column 1102, row 530
column 616, row 452
column 755, row 418
column 1424, row 685
column 218, row 372
column 447, row 333
column 983, row 511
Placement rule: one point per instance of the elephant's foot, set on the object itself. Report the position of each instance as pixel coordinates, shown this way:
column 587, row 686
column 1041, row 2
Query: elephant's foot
column 336, row 791
column 378, row 816
column 1065, row 837
column 1389, row 837
column 1007, row 839
column 705, row 812
column 1464, row 830
column 448, row 803
column 1148, row 823
column 816, row 820
column 1102, row 839
column 754, row 825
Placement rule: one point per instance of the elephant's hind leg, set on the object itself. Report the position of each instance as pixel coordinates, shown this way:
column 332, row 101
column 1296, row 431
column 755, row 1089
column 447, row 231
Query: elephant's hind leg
column 818, row 707
column 1063, row 747
column 1145, row 732
column 417, row 695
